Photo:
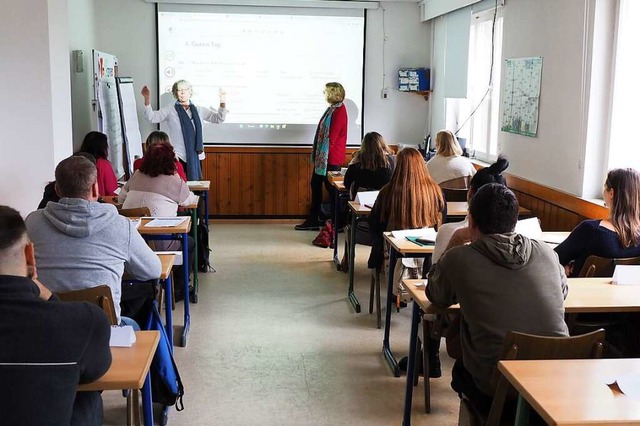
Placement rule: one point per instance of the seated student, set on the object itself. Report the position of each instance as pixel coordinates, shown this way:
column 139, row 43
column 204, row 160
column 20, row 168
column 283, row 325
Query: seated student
column 95, row 143
column 155, row 137
column 448, row 163
column 616, row 236
column 81, row 243
column 371, row 166
column 36, row 328
column 503, row 282
column 50, row 194
column 491, row 174
column 157, row 186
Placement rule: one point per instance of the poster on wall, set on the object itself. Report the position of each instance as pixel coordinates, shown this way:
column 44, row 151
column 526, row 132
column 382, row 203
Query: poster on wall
column 105, row 71
column 521, row 96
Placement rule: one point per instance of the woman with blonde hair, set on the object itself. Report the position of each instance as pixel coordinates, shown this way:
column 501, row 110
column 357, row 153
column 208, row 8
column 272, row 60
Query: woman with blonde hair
column 372, row 165
column 614, row 237
column 328, row 154
column 411, row 200
column 448, row 163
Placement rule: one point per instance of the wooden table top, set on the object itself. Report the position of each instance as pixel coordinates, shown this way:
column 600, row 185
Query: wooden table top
column 585, row 295
column 198, row 185
column 404, row 246
column 575, row 392
column 166, row 260
column 183, row 228
column 460, row 208
column 129, row 366
column 337, row 180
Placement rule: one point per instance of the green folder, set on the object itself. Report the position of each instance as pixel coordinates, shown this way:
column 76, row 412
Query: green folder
column 420, row 241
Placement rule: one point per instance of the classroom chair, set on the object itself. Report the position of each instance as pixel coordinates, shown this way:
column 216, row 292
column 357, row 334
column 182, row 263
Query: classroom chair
column 456, row 183
column 35, row 394
column 101, row 296
column 602, row 267
column 521, row 346
column 136, row 212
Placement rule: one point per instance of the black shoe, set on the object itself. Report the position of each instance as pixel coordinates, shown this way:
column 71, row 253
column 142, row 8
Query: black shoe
column 308, row 225
column 404, row 362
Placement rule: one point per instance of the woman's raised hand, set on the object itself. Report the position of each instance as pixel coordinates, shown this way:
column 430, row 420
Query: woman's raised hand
column 146, row 93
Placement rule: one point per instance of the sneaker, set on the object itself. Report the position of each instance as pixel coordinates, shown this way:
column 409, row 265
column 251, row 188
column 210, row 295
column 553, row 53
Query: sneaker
column 308, row 225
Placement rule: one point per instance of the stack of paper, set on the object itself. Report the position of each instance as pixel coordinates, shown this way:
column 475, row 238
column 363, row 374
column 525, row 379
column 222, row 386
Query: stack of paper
column 367, row 198
column 164, row 222
column 529, row 228
column 122, row 336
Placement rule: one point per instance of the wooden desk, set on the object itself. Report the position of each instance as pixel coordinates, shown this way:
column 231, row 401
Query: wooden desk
column 460, row 208
column 172, row 233
column 398, row 247
column 585, row 295
column 574, row 392
column 130, row 370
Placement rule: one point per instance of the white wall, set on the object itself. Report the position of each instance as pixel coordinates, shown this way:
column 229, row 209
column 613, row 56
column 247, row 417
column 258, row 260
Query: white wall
column 402, row 117
column 127, row 29
column 35, row 118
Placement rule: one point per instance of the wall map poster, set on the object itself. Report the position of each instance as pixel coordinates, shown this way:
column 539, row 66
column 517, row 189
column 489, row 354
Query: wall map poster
column 521, row 96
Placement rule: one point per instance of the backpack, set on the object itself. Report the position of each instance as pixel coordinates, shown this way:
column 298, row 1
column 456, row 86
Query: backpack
column 166, row 385
column 324, row 238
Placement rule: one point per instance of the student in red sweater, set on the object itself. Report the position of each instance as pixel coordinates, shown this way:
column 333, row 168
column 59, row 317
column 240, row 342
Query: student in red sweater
column 329, row 147
column 155, row 137
column 95, row 143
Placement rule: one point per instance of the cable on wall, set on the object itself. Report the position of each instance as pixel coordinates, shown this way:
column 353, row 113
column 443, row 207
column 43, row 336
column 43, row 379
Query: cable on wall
column 493, row 40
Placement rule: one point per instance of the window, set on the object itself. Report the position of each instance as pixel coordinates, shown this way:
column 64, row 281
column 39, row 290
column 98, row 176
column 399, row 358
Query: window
column 624, row 146
column 476, row 117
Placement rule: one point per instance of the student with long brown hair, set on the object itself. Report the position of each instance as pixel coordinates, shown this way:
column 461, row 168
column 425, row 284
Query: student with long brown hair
column 411, row 200
column 372, row 165
column 616, row 236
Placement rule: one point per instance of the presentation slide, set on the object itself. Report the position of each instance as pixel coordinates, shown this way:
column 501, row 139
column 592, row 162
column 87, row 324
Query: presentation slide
column 273, row 66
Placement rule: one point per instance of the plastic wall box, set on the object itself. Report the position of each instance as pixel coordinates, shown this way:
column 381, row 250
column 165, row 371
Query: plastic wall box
column 414, row 80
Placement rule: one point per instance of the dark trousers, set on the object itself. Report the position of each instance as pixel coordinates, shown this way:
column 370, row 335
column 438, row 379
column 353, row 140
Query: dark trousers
column 316, row 191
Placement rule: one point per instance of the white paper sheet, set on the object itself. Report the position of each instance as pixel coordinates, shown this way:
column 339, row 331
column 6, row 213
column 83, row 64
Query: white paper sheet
column 626, row 275
column 629, row 385
column 424, row 233
column 366, row 198
column 165, row 222
column 122, row 336
column 529, row 228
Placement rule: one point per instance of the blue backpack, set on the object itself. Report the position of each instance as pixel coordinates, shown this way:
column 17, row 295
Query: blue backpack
column 166, row 386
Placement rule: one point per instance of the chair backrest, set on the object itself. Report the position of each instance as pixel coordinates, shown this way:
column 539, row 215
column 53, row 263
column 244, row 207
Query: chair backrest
column 603, row 267
column 38, row 394
column 523, row 346
column 100, row 295
column 452, row 194
column 137, row 212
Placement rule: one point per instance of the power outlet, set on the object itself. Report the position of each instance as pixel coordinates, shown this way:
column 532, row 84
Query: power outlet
column 384, row 94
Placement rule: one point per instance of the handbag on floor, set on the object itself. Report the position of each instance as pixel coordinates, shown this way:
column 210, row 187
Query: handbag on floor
column 324, row 237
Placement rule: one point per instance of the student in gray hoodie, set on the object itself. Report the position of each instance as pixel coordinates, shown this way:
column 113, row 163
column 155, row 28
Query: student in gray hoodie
column 81, row 243
column 503, row 282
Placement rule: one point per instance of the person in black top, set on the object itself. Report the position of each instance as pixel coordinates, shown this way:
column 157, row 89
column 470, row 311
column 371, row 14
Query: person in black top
column 614, row 237
column 371, row 166
column 35, row 327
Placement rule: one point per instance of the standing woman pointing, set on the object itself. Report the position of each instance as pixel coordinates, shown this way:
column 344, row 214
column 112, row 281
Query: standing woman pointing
column 328, row 154
column 184, row 120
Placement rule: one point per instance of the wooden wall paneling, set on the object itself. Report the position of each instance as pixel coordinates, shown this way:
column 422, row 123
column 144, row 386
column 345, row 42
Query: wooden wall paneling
column 246, row 195
column 291, row 184
column 280, row 184
column 208, row 173
column 224, row 186
column 257, row 181
column 304, row 187
column 269, row 185
column 234, row 183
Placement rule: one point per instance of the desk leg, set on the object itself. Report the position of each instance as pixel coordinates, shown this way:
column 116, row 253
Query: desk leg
column 386, row 346
column 352, row 259
column 187, row 314
column 194, row 221
column 168, row 296
column 522, row 412
column 411, row 364
column 334, row 237
column 147, row 403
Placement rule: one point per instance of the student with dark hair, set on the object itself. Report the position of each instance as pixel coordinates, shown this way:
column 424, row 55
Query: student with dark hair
column 36, row 328
column 503, row 282
column 95, row 143
column 491, row 174
column 153, row 138
column 81, row 243
column 616, row 236
column 372, row 165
